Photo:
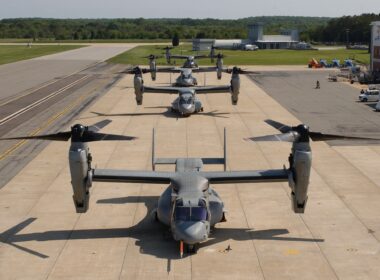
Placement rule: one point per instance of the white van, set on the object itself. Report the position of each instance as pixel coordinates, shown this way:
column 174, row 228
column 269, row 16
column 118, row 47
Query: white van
column 369, row 95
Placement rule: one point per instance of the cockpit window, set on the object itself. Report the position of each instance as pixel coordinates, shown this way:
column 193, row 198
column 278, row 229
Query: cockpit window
column 190, row 213
column 186, row 101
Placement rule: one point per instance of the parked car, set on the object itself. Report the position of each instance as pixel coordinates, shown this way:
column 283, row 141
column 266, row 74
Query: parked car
column 369, row 95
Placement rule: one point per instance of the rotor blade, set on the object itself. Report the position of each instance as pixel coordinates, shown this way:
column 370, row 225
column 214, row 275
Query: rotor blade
column 286, row 137
column 60, row 136
column 94, row 136
column 318, row 136
column 279, row 126
column 99, row 125
column 248, row 72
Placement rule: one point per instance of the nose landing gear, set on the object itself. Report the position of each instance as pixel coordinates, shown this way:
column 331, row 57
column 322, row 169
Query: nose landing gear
column 188, row 248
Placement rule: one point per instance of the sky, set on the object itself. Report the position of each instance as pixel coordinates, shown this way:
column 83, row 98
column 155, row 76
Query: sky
column 225, row 9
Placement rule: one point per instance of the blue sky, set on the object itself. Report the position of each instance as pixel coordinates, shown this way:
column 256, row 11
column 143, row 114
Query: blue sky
column 229, row 9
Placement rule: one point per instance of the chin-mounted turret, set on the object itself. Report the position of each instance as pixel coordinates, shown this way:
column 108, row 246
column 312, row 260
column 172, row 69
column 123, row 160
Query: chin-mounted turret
column 300, row 158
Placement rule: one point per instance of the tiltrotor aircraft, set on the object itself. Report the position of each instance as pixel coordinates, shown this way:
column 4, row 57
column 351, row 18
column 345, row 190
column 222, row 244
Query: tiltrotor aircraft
column 187, row 69
column 185, row 79
column 187, row 102
column 189, row 59
column 189, row 205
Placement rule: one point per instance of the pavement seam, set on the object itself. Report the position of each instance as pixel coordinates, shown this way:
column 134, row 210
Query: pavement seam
column 283, row 185
column 353, row 211
column 221, row 137
column 149, row 163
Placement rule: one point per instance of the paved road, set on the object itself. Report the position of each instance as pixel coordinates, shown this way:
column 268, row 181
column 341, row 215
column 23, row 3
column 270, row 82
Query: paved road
column 25, row 75
column 332, row 109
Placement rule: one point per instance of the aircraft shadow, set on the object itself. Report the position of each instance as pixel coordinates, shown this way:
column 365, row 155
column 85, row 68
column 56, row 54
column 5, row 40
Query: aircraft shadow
column 152, row 237
column 168, row 113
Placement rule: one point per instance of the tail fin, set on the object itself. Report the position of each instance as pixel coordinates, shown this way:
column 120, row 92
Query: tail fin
column 204, row 160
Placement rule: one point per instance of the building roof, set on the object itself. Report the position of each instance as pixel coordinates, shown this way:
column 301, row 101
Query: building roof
column 204, row 40
column 276, row 39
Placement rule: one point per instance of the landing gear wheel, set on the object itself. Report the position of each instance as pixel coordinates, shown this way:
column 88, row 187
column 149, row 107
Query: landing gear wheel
column 192, row 248
column 201, row 110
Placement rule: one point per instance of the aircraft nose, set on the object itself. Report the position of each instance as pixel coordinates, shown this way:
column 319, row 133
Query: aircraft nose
column 190, row 232
column 188, row 82
column 187, row 109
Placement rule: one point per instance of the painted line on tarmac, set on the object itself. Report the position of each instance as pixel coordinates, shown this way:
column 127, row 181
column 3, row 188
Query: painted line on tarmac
column 31, row 92
column 39, row 102
column 44, row 126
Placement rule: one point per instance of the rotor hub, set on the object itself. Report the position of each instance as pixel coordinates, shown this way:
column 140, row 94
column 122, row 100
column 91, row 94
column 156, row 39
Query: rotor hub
column 303, row 132
column 77, row 132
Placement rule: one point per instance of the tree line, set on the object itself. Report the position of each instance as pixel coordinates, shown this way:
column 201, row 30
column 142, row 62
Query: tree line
column 354, row 28
column 317, row 29
column 139, row 28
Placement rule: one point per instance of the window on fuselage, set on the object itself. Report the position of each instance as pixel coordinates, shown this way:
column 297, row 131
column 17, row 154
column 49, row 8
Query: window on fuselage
column 197, row 213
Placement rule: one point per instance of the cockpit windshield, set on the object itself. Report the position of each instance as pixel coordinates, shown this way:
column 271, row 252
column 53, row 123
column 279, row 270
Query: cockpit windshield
column 197, row 213
column 186, row 101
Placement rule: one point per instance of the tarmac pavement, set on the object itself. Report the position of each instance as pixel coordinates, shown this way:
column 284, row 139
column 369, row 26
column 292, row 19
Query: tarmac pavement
column 337, row 237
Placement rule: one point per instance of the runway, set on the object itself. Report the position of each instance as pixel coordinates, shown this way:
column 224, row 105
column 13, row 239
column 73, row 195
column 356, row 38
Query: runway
column 18, row 77
column 337, row 238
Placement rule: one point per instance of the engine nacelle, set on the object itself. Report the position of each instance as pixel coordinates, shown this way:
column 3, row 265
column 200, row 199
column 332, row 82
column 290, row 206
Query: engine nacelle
column 235, row 89
column 299, row 176
column 81, row 175
column 138, row 83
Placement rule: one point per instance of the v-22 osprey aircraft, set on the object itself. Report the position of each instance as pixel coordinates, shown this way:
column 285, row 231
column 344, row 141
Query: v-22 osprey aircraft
column 189, row 205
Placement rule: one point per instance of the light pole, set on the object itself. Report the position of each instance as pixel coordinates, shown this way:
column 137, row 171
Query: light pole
column 347, row 37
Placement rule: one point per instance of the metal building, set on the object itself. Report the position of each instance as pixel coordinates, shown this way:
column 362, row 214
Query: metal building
column 375, row 47
column 285, row 40
column 202, row 44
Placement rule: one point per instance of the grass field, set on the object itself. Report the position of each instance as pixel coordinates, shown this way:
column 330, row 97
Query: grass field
column 10, row 54
column 53, row 41
column 261, row 57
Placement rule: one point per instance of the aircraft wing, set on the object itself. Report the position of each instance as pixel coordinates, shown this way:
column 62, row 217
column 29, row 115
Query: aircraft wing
column 205, row 69
column 179, row 56
column 201, row 56
column 131, row 176
column 257, row 176
column 162, row 89
column 168, row 70
column 212, row 89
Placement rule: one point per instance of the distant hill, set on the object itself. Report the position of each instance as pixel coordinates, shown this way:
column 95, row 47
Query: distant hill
column 186, row 28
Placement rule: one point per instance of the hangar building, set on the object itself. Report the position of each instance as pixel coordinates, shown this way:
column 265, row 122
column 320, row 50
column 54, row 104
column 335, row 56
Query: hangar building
column 286, row 39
